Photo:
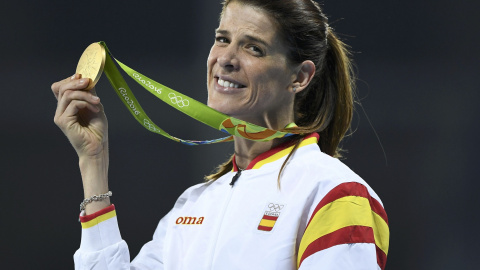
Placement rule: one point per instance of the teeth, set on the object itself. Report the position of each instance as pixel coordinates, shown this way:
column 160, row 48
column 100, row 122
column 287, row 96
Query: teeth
column 227, row 84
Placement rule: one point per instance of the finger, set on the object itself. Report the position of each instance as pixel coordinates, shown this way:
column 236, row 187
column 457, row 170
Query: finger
column 76, row 105
column 93, row 91
column 72, row 110
column 74, row 84
column 56, row 85
column 70, row 96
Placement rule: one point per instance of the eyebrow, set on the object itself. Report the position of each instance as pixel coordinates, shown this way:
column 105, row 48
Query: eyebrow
column 249, row 37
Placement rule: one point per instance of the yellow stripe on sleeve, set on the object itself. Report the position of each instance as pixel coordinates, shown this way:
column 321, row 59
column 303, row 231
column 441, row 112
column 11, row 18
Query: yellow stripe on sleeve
column 99, row 219
column 341, row 213
column 381, row 233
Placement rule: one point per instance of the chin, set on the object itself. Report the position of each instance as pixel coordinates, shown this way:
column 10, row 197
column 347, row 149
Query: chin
column 219, row 105
column 221, row 109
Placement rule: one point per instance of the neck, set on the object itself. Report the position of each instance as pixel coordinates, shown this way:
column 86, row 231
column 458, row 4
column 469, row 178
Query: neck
column 247, row 150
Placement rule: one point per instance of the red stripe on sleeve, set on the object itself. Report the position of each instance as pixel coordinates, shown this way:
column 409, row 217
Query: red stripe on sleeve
column 378, row 208
column 381, row 258
column 350, row 189
column 347, row 235
column 105, row 210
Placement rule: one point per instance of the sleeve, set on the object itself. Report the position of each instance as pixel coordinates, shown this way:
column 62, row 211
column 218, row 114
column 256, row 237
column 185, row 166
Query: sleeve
column 347, row 229
column 102, row 247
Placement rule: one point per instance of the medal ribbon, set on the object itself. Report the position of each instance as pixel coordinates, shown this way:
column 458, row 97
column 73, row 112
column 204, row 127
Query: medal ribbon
column 183, row 103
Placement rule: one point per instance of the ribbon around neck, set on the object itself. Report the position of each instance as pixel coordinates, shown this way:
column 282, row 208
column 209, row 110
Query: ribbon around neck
column 183, row 103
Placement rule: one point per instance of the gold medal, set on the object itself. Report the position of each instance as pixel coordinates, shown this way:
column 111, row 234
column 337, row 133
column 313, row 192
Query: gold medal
column 91, row 64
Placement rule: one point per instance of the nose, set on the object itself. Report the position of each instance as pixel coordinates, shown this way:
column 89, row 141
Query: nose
column 228, row 59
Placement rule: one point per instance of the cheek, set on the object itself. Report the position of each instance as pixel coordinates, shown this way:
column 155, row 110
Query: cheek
column 275, row 79
column 211, row 59
column 281, row 76
column 210, row 64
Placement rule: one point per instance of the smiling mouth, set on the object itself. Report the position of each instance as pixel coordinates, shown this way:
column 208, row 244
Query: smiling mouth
column 229, row 84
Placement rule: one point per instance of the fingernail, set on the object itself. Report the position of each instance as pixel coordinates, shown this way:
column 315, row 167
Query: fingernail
column 73, row 77
column 95, row 98
column 81, row 81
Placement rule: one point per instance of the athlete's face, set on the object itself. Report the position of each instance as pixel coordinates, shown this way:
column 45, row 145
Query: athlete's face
column 248, row 73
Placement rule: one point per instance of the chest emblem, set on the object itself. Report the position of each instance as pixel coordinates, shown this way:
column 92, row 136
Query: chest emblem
column 271, row 214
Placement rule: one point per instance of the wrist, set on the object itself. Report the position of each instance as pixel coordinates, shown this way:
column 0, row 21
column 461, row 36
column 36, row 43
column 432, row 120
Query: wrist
column 96, row 206
column 94, row 171
column 95, row 198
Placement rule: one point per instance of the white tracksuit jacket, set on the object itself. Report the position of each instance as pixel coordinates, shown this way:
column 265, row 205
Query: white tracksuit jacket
column 323, row 216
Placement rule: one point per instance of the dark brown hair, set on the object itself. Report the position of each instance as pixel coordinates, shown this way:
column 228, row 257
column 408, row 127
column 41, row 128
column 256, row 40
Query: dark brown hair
column 326, row 105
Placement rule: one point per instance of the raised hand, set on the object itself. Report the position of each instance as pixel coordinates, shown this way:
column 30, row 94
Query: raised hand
column 81, row 117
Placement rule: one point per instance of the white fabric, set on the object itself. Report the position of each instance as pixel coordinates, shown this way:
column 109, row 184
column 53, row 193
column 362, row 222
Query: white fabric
column 344, row 257
column 229, row 237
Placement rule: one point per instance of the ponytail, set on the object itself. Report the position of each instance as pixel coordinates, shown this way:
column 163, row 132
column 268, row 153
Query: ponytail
column 330, row 95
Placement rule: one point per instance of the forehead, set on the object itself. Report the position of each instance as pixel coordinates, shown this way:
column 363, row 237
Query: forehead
column 241, row 18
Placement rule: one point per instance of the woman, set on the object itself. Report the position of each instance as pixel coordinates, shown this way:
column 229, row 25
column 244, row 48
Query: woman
column 282, row 204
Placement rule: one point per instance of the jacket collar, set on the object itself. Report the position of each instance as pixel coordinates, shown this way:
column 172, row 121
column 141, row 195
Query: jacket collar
column 277, row 153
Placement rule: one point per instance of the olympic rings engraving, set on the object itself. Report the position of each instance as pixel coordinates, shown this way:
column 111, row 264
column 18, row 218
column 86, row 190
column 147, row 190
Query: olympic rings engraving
column 275, row 207
column 150, row 126
column 178, row 100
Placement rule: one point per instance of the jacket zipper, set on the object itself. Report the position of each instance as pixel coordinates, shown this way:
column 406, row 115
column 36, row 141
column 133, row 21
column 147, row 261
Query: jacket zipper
column 235, row 177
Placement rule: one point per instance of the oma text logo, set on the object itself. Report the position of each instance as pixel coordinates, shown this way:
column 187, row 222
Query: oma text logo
column 189, row 221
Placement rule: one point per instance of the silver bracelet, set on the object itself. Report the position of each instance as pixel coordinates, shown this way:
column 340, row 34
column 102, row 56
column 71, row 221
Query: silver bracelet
column 100, row 197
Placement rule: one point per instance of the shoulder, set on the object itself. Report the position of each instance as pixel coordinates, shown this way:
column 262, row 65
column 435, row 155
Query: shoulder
column 317, row 169
column 310, row 158
column 343, row 208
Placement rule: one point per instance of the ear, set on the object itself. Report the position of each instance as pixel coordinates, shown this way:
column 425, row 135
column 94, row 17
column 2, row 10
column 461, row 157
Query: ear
column 304, row 76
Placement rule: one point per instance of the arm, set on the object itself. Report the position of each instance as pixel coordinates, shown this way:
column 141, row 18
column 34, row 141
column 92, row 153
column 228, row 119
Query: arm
column 80, row 116
column 347, row 229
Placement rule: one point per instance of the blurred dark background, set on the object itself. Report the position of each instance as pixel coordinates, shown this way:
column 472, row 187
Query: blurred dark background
column 418, row 68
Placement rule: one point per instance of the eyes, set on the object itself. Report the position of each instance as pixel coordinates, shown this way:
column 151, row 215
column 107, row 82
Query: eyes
column 221, row 39
column 254, row 49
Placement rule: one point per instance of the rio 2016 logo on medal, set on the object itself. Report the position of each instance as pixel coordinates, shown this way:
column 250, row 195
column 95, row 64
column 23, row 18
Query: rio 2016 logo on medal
column 91, row 64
